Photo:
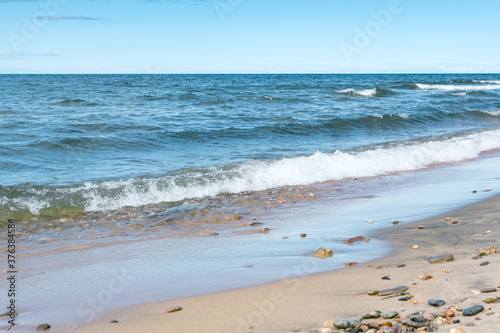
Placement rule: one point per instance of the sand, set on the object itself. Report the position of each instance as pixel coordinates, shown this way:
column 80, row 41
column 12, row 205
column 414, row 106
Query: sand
column 305, row 303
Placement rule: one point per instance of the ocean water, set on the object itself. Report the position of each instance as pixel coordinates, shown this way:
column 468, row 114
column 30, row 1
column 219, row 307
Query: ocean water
column 103, row 142
column 91, row 166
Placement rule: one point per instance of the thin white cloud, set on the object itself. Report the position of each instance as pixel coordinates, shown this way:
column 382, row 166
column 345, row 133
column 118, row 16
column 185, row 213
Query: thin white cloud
column 24, row 55
column 66, row 17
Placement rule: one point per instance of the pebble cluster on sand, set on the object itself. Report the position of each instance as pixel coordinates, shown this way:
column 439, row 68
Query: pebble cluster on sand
column 430, row 316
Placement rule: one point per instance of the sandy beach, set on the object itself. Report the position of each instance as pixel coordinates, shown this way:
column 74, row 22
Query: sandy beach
column 306, row 304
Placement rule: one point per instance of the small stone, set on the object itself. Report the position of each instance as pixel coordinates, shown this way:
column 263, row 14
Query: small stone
column 346, row 323
column 456, row 321
column 454, row 222
column 386, row 277
column 473, row 310
column 484, row 263
column 323, row 253
column 175, row 309
column 488, row 290
column 325, row 330
column 390, row 314
column 414, row 315
column 439, row 258
column 427, row 277
column 449, row 313
column 392, row 291
column 114, row 321
column 436, row 302
column 373, row 292
column 491, row 300
column 303, row 235
column 43, row 327
column 264, row 231
column 400, row 265
column 370, row 221
column 446, row 271
column 456, row 330
column 421, row 227
column 447, row 218
column 395, row 222
column 328, row 323
column 387, row 324
column 373, row 315
column 490, row 313
column 350, row 264
column 354, row 239
column 404, row 299
column 415, row 247
column 475, row 292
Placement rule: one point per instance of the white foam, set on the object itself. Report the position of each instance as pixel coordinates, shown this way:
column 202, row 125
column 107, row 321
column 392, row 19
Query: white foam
column 365, row 92
column 265, row 174
column 463, row 93
column 451, row 87
column 493, row 113
column 487, row 81
column 302, row 170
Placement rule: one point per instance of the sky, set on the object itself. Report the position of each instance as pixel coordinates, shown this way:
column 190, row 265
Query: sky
column 249, row 36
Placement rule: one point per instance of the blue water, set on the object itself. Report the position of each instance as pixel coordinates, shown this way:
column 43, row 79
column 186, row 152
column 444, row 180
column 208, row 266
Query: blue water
column 108, row 141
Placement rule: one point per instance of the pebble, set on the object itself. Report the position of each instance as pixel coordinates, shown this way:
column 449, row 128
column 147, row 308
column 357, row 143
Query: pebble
column 370, row 221
column 346, row 323
column 484, row 263
column 473, row 310
column 436, row 302
column 386, row 277
column 488, row 290
column 323, row 253
column 175, row 309
column 264, row 231
column 400, row 265
column 350, row 264
column 456, row 330
column 373, row 315
column 415, row 247
column 404, row 299
column 395, row 222
column 427, row 277
column 493, row 299
column 440, row 258
column 303, row 235
column 114, row 321
column 354, row 239
column 421, row 227
column 392, row 291
column 373, row 292
column 391, row 314
column 43, row 327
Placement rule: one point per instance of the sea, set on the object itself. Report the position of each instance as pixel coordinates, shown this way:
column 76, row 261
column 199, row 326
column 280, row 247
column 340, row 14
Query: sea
column 223, row 168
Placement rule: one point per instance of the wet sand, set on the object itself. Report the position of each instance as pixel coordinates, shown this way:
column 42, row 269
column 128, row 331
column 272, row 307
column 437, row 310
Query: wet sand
column 304, row 303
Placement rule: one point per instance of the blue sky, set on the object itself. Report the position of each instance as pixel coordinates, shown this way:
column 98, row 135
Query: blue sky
column 249, row 36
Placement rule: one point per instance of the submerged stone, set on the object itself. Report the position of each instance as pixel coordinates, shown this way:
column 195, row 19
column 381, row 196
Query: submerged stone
column 439, row 258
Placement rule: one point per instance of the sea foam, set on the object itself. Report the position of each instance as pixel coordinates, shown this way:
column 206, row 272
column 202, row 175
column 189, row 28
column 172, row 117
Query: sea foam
column 264, row 174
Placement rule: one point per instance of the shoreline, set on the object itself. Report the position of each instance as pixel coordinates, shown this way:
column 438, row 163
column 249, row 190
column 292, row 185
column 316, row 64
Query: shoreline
column 304, row 303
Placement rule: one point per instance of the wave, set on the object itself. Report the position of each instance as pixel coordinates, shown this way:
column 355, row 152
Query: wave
column 450, row 87
column 253, row 175
column 74, row 102
column 491, row 113
column 374, row 92
column 487, row 81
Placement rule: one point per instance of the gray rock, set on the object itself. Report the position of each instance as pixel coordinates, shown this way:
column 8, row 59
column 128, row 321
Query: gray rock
column 391, row 314
column 392, row 291
column 473, row 310
column 436, row 302
column 346, row 323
